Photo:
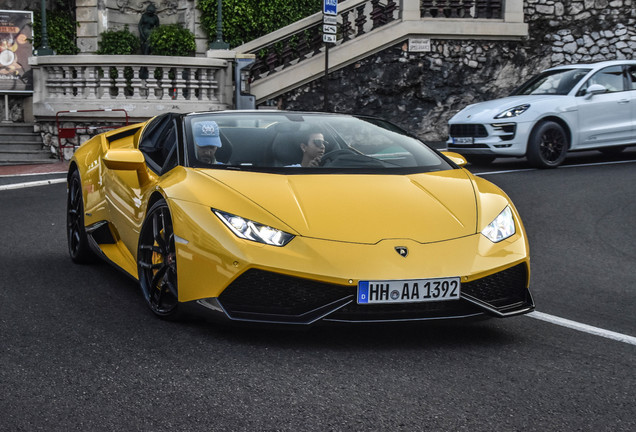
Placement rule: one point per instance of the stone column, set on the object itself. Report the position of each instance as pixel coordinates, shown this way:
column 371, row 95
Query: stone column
column 88, row 31
column 513, row 11
column 410, row 10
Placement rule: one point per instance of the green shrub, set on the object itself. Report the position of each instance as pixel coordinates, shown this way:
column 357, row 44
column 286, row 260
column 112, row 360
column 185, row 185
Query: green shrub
column 60, row 29
column 172, row 40
column 118, row 42
column 246, row 20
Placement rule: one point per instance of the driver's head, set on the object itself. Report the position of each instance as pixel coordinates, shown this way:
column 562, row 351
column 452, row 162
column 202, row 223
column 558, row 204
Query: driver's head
column 206, row 140
column 315, row 145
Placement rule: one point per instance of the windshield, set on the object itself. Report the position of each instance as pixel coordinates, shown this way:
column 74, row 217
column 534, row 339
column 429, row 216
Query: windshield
column 297, row 142
column 555, row 82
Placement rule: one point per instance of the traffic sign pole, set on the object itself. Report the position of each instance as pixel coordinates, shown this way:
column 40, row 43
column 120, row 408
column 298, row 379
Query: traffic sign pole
column 329, row 29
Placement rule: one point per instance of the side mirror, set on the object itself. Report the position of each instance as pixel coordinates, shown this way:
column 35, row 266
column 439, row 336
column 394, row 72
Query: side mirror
column 457, row 159
column 594, row 89
column 124, row 159
column 127, row 160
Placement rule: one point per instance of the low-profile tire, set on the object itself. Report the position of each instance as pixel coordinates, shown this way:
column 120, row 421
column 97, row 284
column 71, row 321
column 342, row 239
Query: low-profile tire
column 480, row 160
column 157, row 263
column 78, row 247
column 612, row 151
column 547, row 146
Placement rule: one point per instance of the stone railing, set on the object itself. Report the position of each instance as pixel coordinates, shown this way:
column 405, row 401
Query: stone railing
column 142, row 85
column 373, row 25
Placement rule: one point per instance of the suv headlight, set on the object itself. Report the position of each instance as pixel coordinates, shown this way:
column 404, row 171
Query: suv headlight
column 513, row 112
column 254, row 231
column 502, row 227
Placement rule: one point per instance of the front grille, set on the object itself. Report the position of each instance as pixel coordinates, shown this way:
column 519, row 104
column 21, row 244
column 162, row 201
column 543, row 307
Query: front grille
column 468, row 146
column 468, row 130
column 258, row 292
column 500, row 290
column 260, row 295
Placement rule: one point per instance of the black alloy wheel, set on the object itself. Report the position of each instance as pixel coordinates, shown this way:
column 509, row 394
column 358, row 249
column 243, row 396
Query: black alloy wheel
column 548, row 145
column 78, row 247
column 157, row 262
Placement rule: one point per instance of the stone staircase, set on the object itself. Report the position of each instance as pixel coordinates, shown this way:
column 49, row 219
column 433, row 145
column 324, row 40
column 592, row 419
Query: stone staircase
column 20, row 145
column 295, row 55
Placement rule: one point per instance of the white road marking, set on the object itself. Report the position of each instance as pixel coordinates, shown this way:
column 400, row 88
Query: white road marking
column 561, row 166
column 505, row 172
column 33, row 174
column 32, row 184
column 583, row 327
column 597, row 163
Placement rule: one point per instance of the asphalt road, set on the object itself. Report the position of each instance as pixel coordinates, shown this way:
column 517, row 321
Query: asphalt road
column 80, row 351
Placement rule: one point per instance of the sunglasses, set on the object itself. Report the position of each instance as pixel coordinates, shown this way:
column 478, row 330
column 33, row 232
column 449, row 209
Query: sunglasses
column 319, row 142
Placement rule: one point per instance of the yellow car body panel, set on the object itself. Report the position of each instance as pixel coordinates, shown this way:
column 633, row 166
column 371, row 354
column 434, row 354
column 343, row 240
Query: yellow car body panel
column 213, row 257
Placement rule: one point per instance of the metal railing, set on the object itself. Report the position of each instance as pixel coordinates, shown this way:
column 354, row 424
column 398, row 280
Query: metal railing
column 303, row 40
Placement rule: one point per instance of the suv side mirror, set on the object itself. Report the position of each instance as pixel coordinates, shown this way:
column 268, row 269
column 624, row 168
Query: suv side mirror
column 594, row 89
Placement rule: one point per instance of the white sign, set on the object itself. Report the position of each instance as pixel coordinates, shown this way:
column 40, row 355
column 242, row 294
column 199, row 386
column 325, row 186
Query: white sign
column 329, row 19
column 329, row 38
column 419, row 45
column 331, row 29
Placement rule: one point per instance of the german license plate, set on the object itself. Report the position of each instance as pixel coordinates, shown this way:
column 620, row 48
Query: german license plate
column 408, row 291
column 463, row 140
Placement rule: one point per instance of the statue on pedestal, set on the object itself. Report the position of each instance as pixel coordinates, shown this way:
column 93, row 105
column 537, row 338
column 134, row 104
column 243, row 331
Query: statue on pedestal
column 149, row 20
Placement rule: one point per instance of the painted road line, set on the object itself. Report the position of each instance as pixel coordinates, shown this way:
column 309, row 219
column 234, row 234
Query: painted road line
column 597, row 163
column 32, row 184
column 561, row 166
column 33, row 174
column 506, row 171
column 583, row 327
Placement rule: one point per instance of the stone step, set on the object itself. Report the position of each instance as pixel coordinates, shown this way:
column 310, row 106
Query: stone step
column 9, row 157
column 21, row 146
column 20, row 137
column 16, row 128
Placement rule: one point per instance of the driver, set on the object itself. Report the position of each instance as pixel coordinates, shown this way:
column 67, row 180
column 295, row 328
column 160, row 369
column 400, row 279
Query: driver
column 313, row 149
column 206, row 141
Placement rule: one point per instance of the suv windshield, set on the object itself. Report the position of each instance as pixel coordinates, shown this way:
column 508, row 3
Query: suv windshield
column 297, row 142
column 554, row 82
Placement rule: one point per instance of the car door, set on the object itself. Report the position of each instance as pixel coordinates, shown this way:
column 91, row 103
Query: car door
column 605, row 118
column 124, row 191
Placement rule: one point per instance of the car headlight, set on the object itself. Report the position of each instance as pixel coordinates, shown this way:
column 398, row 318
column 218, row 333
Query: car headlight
column 250, row 230
column 513, row 112
column 501, row 228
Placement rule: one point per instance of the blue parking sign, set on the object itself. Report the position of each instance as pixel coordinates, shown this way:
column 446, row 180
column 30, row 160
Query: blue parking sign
column 330, row 7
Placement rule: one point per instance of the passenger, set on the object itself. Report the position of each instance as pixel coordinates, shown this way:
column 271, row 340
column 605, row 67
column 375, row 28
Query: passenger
column 313, row 150
column 207, row 140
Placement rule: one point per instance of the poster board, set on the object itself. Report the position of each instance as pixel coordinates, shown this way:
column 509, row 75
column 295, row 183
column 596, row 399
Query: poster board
column 16, row 33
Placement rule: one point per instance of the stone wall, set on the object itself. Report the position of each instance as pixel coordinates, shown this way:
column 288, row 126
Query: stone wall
column 20, row 4
column 421, row 91
column 97, row 16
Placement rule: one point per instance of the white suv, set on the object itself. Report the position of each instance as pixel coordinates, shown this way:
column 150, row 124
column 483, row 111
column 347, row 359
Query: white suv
column 575, row 107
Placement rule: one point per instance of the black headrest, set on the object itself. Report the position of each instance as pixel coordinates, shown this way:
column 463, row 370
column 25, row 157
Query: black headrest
column 286, row 149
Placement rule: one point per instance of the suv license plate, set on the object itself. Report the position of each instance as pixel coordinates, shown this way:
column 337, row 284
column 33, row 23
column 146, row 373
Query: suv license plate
column 464, row 140
column 408, row 291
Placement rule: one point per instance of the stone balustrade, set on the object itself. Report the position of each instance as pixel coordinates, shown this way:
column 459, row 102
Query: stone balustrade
column 144, row 86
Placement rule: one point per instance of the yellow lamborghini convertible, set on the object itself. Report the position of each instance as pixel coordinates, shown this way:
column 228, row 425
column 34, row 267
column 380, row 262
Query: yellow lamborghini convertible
column 296, row 218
